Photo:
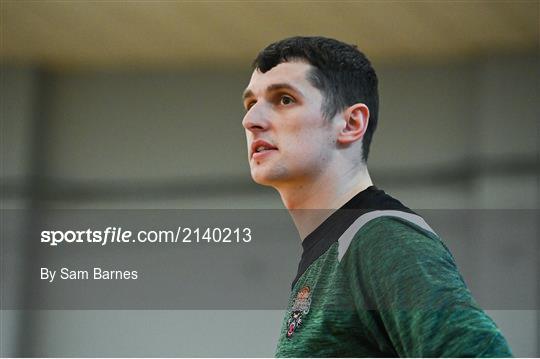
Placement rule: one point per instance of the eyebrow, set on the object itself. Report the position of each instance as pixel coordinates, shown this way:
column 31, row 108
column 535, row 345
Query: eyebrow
column 274, row 87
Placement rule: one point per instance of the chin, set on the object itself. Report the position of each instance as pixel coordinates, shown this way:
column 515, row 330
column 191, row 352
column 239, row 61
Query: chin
column 265, row 176
column 274, row 178
column 260, row 179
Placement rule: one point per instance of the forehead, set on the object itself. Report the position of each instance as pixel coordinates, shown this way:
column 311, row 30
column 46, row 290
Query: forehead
column 293, row 73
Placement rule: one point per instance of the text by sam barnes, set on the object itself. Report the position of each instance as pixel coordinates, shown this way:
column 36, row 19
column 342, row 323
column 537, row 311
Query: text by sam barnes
column 95, row 273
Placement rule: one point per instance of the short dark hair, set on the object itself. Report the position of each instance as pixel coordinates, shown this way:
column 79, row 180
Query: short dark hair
column 341, row 72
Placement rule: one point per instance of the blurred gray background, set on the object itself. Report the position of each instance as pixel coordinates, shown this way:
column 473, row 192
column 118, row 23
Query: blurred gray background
column 137, row 105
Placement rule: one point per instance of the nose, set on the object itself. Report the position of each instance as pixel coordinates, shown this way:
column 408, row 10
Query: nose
column 256, row 119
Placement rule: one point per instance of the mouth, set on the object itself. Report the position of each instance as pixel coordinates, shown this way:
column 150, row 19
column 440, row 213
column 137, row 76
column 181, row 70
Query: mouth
column 260, row 149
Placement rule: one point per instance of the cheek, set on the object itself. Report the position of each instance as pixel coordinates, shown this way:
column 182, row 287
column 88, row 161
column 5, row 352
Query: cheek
column 307, row 153
column 304, row 129
column 315, row 140
column 307, row 134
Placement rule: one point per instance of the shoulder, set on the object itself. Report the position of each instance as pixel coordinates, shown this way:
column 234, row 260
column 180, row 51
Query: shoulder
column 386, row 242
column 387, row 228
column 399, row 262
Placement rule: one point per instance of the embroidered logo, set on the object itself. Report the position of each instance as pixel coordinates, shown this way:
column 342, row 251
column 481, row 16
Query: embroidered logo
column 299, row 309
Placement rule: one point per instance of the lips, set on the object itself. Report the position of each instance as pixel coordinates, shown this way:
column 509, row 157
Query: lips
column 260, row 148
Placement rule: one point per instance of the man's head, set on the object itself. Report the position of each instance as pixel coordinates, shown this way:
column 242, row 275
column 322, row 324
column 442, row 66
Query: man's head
column 340, row 71
column 310, row 103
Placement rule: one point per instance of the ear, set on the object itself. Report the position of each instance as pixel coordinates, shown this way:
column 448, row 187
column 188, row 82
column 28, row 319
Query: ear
column 356, row 122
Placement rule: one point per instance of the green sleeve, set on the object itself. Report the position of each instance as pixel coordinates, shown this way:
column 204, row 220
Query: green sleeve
column 408, row 281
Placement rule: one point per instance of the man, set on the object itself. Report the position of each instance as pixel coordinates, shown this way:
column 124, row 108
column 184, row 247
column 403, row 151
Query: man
column 374, row 279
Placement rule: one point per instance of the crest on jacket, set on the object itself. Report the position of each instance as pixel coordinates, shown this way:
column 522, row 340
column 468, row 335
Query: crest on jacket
column 299, row 309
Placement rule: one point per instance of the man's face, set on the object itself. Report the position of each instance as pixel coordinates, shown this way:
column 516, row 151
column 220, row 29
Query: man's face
column 289, row 141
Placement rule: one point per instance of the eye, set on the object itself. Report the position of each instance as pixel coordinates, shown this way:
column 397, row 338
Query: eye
column 286, row 100
column 250, row 105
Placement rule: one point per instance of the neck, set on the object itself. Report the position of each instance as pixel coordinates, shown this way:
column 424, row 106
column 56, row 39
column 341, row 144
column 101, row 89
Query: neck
column 311, row 203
